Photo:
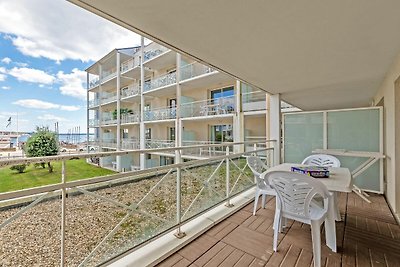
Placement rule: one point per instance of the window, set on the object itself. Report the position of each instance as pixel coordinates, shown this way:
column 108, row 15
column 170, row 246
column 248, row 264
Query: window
column 147, row 133
column 224, row 92
column 221, row 133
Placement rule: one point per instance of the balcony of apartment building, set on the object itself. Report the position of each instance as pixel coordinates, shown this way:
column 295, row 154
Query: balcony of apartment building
column 167, row 113
column 165, row 81
column 209, row 108
column 93, row 122
column 129, row 92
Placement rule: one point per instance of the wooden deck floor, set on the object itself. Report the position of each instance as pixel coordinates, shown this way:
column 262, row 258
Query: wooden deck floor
column 367, row 236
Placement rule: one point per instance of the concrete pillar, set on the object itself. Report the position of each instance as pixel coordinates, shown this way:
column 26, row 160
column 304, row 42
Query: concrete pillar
column 142, row 126
column 238, row 119
column 119, row 168
column 275, row 125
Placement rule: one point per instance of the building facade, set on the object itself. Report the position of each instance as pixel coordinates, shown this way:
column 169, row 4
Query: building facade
column 152, row 97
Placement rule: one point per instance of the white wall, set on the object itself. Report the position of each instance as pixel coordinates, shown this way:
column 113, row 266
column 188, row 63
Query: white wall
column 387, row 93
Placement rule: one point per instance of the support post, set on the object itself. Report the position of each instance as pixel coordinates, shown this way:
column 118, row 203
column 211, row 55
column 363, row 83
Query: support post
column 178, row 159
column 63, row 207
column 275, row 125
column 142, row 144
column 87, row 114
column 227, row 179
column 119, row 168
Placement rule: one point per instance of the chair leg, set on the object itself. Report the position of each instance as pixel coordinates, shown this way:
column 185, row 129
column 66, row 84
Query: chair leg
column 316, row 242
column 264, row 198
column 257, row 196
column 338, row 218
column 330, row 227
column 276, row 229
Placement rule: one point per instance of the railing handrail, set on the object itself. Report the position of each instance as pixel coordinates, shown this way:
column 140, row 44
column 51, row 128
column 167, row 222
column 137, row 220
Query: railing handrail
column 107, row 178
column 209, row 100
column 8, row 162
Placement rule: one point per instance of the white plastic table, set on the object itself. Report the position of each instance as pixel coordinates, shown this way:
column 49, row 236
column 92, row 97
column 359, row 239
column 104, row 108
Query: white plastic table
column 340, row 180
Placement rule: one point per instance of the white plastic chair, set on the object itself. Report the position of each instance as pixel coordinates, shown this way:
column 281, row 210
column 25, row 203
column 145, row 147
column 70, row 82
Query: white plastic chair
column 263, row 188
column 322, row 160
column 295, row 193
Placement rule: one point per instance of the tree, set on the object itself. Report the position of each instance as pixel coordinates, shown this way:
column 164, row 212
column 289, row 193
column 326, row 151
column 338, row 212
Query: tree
column 42, row 143
column 20, row 168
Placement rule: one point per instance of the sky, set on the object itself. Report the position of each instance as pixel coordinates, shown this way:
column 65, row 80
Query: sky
column 45, row 47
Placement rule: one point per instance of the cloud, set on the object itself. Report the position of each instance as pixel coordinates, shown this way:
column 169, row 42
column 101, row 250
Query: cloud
column 72, row 84
column 6, row 87
column 6, row 60
column 2, row 77
column 58, row 35
column 51, row 117
column 39, row 104
column 21, row 64
column 31, row 75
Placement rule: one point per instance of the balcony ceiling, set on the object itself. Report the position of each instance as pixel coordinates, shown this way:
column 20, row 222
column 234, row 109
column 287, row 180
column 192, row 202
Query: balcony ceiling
column 317, row 54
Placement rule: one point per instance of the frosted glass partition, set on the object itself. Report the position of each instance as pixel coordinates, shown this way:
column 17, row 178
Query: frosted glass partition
column 356, row 130
column 350, row 129
column 303, row 132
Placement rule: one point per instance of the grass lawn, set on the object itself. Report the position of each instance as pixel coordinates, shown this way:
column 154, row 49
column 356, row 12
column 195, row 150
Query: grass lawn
column 34, row 177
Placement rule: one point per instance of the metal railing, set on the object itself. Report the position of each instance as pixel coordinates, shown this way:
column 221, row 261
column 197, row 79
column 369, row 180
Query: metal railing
column 107, row 97
column 153, row 53
column 131, row 90
column 160, row 81
column 130, row 64
column 130, row 144
column 130, row 117
column 255, row 100
column 193, row 70
column 209, row 107
column 93, row 83
column 91, row 221
column 94, row 102
column 93, row 122
column 109, row 74
column 156, row 114
column 155, row 143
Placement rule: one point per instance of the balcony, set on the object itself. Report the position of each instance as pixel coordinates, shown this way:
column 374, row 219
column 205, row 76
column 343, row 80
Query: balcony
column 194, row 69
column 130, row 118
column 253, row 101
column 158, row 114
column 109, row 142
column 130, row 91
column 108, row 119
column 108, row 75
column 130, row 143
column 209, row 107
column 130, row 64
column 93, row 122
column 148, row 55
column 93, row 83
column 108, row 97
column 161, row 81
column 154, row 143
column 94, row 103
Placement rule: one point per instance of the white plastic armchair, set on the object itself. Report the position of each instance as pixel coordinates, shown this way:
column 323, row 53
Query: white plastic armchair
column 322, row 160
column 263, row 188
column 295, row 193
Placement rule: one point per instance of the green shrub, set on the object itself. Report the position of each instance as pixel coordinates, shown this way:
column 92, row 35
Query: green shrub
column 20, row 168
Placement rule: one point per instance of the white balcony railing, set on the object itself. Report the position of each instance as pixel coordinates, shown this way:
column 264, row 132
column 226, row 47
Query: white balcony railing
column 109, row 74
column 154, row 143
column 160, row 81
column 153, row 53
column 93, row 122
column 130, row 143
column 157, row 114
column 193, row 70
column 255, row 100
column 110, row 215
column 108, row 119
column 130, row 117
column 131, row 90
column 209, row 107
column 94, row 102
column 130, row 64
column 108, row 97
column 93, row 83
column 109, row 142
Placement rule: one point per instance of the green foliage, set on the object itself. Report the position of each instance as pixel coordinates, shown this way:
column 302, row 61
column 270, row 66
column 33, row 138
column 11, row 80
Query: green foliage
column 42, row 143
column 20, row 168
column 122, row 111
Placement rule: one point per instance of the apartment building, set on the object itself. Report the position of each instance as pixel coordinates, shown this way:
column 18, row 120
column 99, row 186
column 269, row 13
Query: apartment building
column 151, row 97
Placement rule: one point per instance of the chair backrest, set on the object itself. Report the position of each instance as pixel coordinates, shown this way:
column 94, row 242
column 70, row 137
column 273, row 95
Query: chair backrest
column 322, row 160
column 295, row 192
column 257, row 167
